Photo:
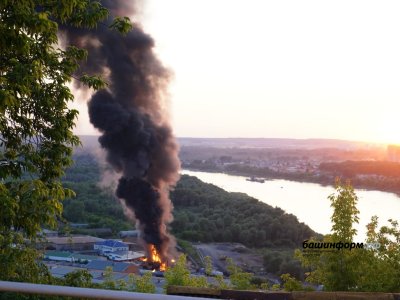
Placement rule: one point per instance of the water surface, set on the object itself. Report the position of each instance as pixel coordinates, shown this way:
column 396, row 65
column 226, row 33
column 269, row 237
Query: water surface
column 307, row 201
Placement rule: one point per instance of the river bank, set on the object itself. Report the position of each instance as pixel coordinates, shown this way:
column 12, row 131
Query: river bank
column 383, row 184
column 307, row 201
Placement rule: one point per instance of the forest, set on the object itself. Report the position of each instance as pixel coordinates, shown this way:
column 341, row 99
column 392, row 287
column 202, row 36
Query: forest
column 202, row 212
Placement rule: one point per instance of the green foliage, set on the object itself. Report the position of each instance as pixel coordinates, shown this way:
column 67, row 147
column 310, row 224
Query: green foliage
column 208, row 265
column 220, row 282
column 273, row 261
column 35, row 122
column 380, row 269
column 380, row 175
column 290, row 283
column 198, row 281
column 189, row 250
column 350, row 168
column 131, row 284
column 123, row 25
column 20, row 263
column 337, row 270
column 206, row 213
column 140, row 284
column 203, row 212
column 92, row 204
column 281, row 261
column 345, row 212
column 121, row 284
column 79, row 13
column 275, row 287
column 79, row 278
column 108, row 279
column 93, row 81
column 240, row 280
column 198, row 211
column 179, row 274
column 144, row 284
column 95, row 207
column 366, row 269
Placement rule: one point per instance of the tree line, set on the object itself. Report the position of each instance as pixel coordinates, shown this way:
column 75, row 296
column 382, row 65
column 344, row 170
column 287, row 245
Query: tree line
column 202, row 212
column 349, row 169
column 206, row 213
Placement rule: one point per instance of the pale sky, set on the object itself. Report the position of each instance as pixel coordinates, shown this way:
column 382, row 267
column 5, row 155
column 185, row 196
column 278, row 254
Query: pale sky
column 290, row 69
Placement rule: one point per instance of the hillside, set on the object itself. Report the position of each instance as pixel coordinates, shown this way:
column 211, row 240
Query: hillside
column 206, row 213
column 203, row 212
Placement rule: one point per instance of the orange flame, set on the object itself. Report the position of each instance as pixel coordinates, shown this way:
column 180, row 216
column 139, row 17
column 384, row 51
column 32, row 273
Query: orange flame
column 155, row 257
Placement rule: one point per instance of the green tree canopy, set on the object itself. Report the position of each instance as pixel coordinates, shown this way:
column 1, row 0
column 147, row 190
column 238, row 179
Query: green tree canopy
column 373, row 268
column 381, row 264
column 345, row 212
column 36, row 138
column 336, row 269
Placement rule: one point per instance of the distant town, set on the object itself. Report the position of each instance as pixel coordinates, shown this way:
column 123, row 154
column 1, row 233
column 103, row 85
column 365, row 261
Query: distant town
column 369, row 166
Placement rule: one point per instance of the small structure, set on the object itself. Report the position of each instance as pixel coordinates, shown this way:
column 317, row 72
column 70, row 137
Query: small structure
column 69, row 256
column 108, row 246
column 125, row 255
column 129, row 233
column 58, row 256
column 72, row 243
column 61, row 271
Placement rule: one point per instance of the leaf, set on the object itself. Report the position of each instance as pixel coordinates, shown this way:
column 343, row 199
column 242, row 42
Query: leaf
column 121, row 24
column 95, row 82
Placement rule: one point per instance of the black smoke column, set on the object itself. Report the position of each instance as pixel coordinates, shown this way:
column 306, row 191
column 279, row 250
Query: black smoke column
column 131, row 115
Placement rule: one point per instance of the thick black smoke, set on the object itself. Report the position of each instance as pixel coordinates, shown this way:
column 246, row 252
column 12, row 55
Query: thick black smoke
column 131, row 115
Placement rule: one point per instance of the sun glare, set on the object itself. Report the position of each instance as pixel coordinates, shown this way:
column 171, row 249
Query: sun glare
column 390, row 131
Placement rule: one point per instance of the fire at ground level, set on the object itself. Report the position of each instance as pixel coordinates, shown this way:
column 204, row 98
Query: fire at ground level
column 67, row 257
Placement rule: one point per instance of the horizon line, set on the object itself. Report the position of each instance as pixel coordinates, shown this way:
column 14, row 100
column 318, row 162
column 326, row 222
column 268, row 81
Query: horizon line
column 273, row 138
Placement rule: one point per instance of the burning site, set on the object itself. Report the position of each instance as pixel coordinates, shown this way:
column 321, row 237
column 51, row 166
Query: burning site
column 286, row 117
column 132, row 116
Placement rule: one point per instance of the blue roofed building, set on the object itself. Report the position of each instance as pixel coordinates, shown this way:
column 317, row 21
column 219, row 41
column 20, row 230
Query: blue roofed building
column 108, row 246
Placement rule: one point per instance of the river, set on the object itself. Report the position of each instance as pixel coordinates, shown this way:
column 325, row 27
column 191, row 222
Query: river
column 307, row 201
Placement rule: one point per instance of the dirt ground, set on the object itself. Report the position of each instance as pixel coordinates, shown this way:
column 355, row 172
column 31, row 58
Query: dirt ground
column 244, row 257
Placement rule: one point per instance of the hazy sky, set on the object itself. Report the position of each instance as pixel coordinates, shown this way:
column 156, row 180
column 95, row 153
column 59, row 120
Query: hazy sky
column 295, row 69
